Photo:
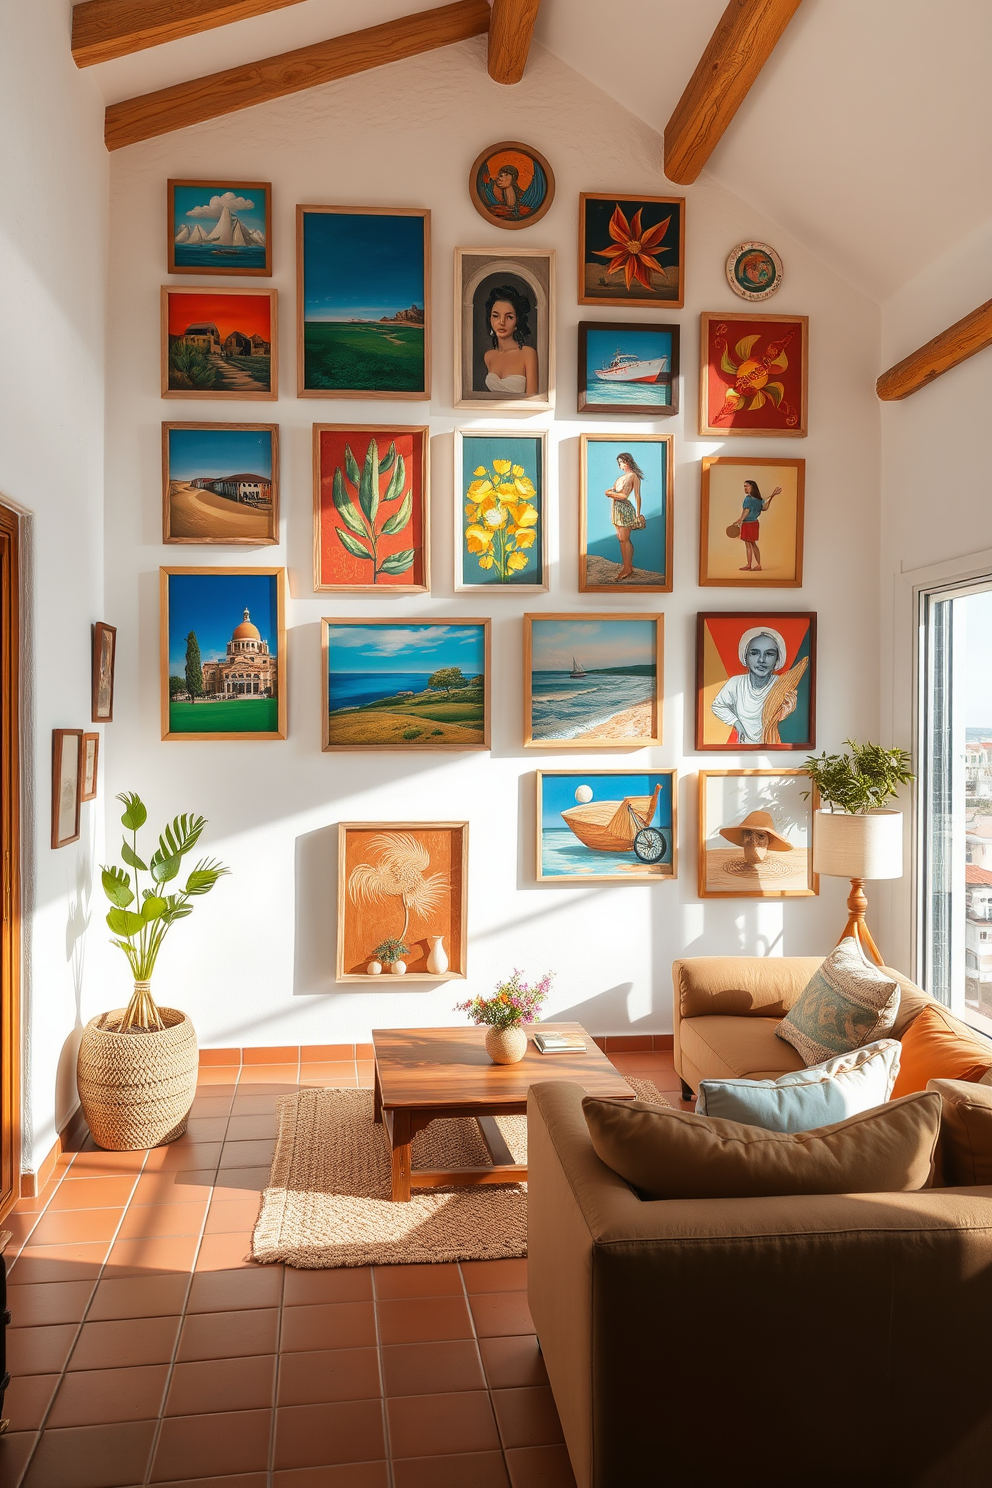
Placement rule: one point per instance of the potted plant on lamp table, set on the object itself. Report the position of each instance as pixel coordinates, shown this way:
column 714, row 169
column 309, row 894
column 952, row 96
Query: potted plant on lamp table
column 855, row 834
column 136, row 1068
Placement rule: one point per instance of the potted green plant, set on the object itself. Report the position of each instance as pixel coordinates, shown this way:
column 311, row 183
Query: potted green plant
column 513, row 1004
column 136, row 1069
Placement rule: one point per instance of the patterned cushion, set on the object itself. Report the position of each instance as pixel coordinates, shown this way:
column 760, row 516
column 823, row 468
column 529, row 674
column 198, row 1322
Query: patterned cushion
column 847, row 1002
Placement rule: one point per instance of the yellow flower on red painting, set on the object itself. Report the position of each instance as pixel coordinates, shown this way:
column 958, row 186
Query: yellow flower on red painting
column 633, row 248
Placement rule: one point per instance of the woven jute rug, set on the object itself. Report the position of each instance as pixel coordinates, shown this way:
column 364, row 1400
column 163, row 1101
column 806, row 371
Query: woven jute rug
column 328, row 1199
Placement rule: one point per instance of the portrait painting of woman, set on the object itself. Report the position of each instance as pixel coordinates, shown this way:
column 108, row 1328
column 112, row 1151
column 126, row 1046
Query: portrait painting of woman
column 751, row 522
column 755, row 681
column 511, row 364
column 625, row 512
column 504, row 308
column 511, row 185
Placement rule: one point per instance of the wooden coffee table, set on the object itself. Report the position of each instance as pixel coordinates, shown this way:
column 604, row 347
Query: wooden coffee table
column 425, row 1074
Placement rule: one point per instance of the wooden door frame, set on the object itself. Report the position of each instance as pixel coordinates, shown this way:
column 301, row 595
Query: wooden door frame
column 10, row 865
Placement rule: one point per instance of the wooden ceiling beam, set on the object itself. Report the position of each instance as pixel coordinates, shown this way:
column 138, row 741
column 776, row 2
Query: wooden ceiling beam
column 735, row 54
column 237, row 88
column 959, row 342
column 105, row 29
column 510, row 32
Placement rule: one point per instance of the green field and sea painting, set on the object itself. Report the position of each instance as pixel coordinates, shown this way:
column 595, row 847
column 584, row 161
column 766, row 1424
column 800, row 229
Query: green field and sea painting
column 224, row 667
column 362, row 302
column 406, row 686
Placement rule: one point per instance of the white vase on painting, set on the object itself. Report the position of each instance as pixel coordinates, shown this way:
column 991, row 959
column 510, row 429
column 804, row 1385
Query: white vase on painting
column 374, row 968
column 437, row 960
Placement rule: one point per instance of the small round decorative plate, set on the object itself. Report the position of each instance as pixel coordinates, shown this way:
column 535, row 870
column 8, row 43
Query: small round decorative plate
column 511, row 185
column 754, row 271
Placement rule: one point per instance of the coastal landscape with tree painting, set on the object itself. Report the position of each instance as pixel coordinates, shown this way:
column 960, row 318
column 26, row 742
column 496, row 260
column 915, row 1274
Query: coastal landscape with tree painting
column 592, row 681
column 370, row 512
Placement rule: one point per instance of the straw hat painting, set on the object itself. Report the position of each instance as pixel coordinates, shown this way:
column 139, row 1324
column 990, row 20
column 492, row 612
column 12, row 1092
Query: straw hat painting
column 756, row 834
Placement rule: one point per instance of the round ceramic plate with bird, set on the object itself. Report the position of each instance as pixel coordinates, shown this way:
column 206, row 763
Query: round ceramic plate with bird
column 754, row 271
column 511, row 185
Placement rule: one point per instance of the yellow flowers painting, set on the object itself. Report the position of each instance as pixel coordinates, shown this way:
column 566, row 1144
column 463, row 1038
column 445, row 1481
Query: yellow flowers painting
column 502, row 516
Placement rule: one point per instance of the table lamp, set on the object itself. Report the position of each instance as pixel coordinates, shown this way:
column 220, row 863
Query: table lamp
column 858, row 848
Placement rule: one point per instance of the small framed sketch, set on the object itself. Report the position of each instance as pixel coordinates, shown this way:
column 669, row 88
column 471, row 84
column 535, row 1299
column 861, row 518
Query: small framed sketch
column 102, row 674
column 593, row 681
column 220, row 483
column 511, row 185
column 504, row 319
column 91, row 756
column 406, row 684
column 67, row 758
column 751, row 523
column 626, row 368
column 753, row 374
column 223, row 653
column 625, row 513
column 756, row 834
column 371, row 513
column 606, row 826
column 220, row 227
column 501, row 522
column 220, row 343
column 631, row 250
column 756, row 680
column 402, row 901
column 363, row 313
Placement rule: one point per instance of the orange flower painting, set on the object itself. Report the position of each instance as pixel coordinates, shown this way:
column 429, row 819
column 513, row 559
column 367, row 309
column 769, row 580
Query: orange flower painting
column 753, row 374
column 631, row 250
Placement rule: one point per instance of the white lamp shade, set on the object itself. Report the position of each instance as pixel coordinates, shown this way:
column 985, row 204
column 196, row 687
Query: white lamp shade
column 847, row 846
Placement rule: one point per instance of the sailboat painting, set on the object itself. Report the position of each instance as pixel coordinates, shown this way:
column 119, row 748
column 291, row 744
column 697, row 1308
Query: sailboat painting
column 220, row 227
column 592, row 681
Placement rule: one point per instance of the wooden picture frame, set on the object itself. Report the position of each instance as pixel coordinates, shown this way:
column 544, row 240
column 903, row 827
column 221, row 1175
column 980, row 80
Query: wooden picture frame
column 89, row 767
column 365, row 920
column 782, row 821
column 782, row 643
column 639, row 695
column 241, row 359
column 526, row 194
column 621, row 368
column 341, row 531
column 237, row 251
column 598, row 572
column 530, row 272
column 319, row 373
column 67, row 754
column 593, row 846
column 244, row 676
column 103, row 664
column 614, row 224
column 720, row 509
column 478, row 498
column 362, row 721
column 207, row 509
column 753, row 374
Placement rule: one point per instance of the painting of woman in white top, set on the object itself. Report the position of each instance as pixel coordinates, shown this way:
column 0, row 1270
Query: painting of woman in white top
column 756, row 681
column 511, row 365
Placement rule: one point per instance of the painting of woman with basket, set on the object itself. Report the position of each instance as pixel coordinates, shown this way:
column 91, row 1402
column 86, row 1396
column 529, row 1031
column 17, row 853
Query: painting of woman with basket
column 746, row 526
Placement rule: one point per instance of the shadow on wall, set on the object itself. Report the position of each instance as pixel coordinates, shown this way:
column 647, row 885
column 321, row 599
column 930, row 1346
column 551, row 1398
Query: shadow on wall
column 605, row 1012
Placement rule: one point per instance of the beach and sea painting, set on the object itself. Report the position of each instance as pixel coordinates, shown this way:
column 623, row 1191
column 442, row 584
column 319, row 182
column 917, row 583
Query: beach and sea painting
column 220, row 483
column 625, row 481
column 756, row 834
column 500, row 513
column 363, row 302
column 392, row 684
column 592, row 681
column 219, row 343
column 633, row 368
column 223, row 653
column 610, row 825
column 220, row 227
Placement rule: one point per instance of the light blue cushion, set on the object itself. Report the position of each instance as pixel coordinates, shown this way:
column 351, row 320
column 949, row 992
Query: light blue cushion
column 804, row 1100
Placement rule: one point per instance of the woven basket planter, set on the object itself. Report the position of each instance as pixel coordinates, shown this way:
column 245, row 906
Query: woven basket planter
column 136, row 1089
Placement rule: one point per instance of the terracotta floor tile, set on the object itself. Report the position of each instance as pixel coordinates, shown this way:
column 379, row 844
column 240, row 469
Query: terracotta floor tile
column 437, row 1425
column 216, row 1074
column 527, row 1417
column 202, row 1156
column 40, row 1200
column 139, row 1296
column 221, row 1385
column 480, row 1469
column 142, row 1221
column 341, row 1082
column 316, row 1377
column 92, row 1456
column 15, row 1449
column 418, row 1281
column 280, row 1077
column 248, row 1154
column 319, row 1053
column 76, row 1226
column 270, row 1054
column 347, row 1284
column 252, row 1128
column 344, row 1475
column 501, row 1313
column 233, row 1216
column 225, row 1252
column 207, row 1128
column 174, row 1186
column 154, row 1253
column 229, row 1335
column 240, row 1480
column 122, row 1342
column 365, row 1076
column 328, row 1325
column 539, row 1467
column 512, row 1362
column 49, row 1302
column 21, row 1226
column 328, row 1072
column 193, row 1447
column 423, row 1320
column 323, row 1435
column 96, row 1162
column 432, row 1368
column 27, row 1399
column 364, row 1051
column 94, row 1397
column 495, row 1276
column 257, row 1103
column 39, row 1350
column 92, row 1193
column 212, row 1103
column 233, row 1291
column 59, row 1262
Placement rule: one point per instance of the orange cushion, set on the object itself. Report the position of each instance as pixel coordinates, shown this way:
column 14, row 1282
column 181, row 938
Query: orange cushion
column 936, row 1046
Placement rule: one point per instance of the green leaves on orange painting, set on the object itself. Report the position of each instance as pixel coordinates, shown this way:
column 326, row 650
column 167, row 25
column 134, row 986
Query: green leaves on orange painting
column 362, row 531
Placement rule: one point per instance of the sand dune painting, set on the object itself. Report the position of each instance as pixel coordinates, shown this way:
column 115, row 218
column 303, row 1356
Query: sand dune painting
column 220, row 483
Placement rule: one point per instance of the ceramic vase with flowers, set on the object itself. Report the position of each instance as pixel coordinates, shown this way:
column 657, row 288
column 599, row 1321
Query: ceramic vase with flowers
column 513, row 1004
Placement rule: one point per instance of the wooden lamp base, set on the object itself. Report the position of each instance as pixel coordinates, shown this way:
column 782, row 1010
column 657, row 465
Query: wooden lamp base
column 857, row 906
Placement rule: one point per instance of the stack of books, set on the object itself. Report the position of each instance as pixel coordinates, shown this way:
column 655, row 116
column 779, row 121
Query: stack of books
column 559, row 1043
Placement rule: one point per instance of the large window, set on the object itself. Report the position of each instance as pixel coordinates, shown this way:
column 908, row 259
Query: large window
column 955, row 822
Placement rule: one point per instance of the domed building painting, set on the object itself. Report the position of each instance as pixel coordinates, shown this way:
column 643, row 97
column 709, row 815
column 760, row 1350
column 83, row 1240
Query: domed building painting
column 223, row 647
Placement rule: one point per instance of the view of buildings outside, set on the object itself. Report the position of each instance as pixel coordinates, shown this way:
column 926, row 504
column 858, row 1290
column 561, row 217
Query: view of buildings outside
column 973, row 617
